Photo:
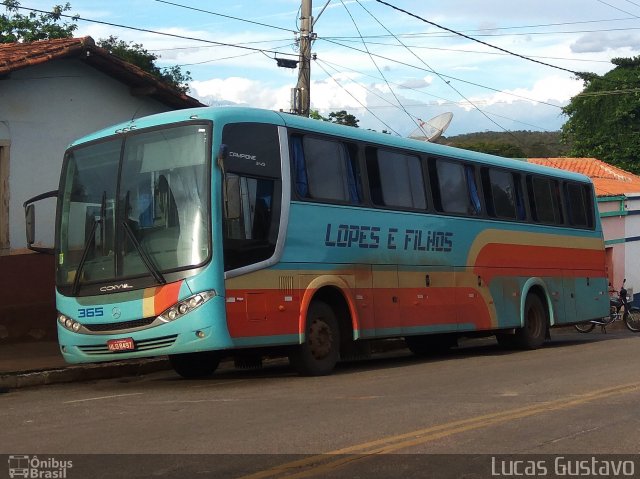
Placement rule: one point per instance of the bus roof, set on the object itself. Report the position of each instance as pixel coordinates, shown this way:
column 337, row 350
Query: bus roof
column 245, row 114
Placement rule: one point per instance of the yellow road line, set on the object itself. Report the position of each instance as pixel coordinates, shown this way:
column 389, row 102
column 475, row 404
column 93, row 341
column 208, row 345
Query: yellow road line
column 323, row 463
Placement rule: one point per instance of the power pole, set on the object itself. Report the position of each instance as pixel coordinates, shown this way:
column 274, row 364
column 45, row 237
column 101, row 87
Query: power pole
column 302, row 92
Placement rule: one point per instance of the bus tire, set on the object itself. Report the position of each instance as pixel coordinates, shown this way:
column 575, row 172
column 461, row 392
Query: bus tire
column 425, row 345
column 320, row 351
column 534, row 331
column 195, row 365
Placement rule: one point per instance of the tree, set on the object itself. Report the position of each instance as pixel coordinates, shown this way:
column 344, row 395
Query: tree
column 136, row 54
column 340, row 117
column 604, row 120
column 343, row 118
column 16, row 27
column 508, row 150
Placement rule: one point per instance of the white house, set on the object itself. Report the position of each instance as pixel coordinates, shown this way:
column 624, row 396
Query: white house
column 52, row 92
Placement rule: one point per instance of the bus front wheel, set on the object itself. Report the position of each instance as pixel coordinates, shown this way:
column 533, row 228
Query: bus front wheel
column 195, row 365
column 534, row 330
column 320, row 351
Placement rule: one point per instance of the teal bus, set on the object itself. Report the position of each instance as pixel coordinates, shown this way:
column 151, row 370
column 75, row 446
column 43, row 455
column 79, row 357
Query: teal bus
column 236, row 232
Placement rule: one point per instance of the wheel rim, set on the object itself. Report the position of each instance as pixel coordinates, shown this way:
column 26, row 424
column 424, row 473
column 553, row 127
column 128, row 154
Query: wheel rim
column 320, row 339
column 634, row 320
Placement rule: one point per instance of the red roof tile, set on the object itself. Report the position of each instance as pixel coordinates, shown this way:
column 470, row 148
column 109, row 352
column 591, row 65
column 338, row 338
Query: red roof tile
column 608, row 180
column 16, row 56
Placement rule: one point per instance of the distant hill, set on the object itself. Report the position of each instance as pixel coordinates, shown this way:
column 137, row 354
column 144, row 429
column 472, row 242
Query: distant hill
column 515, row 144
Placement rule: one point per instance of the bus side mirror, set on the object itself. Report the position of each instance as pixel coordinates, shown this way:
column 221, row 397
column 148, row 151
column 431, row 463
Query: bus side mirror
column 30, row 221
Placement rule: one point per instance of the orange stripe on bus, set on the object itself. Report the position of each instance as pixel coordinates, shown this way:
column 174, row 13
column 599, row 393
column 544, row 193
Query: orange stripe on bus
column 166, row 296
column 525, row 260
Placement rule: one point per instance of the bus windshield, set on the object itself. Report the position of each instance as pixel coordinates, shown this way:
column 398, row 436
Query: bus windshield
column 136, row 205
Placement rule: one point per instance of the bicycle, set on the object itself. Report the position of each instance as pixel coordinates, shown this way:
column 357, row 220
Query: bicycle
column 630, row 316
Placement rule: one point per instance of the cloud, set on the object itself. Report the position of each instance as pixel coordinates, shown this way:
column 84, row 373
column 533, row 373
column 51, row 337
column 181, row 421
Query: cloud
column 602, row 41
column 240, row 91
column 416, row 83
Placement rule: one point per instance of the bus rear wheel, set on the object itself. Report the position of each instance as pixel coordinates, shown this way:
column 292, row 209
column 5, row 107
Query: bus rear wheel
column 320, row 351
column 534, row 330
column 195, row 365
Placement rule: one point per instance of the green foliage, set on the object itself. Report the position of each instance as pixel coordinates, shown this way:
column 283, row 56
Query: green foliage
column 136, row 54
column 315, row 115
column 16, row 27
column 604, row 120
column 340, row 117
column 343, row 118
column 516, row 144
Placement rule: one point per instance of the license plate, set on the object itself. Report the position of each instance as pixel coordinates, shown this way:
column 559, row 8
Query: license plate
column 124, row 344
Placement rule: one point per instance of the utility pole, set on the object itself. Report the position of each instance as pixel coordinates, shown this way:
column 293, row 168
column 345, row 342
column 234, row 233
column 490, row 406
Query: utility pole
column 302, row 93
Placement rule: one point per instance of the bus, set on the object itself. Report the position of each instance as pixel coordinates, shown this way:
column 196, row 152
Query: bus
column 212, row 233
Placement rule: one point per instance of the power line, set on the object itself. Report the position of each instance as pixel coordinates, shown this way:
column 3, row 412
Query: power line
column 475, row 39
column 475, row 52
column 378, row 68
column 443, row 75
column 225, row 16
column 428, row 66
column 616, row 8
column 166, row 34
column 390, row 104
column 359, row 102
column 213, row 46
column 527, row 34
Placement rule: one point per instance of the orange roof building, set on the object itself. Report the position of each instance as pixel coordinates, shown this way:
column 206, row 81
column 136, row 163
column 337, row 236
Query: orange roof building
column 608, row 180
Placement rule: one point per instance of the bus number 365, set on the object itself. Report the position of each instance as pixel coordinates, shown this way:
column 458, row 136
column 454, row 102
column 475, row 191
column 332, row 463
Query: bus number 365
column 90, row 312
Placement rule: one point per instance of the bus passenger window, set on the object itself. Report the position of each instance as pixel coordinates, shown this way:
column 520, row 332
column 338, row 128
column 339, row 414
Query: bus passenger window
column 455, row 188
column 324, row 170
column 396, row 179
column 543, row 197
column 578, row 205
column 500, row 193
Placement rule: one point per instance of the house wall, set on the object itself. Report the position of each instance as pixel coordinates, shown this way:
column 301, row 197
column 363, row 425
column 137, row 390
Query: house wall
column 42, row 109
column 621, row 228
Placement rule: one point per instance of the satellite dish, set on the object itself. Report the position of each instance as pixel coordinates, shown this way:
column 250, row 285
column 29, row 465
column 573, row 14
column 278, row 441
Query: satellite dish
column 432, row 130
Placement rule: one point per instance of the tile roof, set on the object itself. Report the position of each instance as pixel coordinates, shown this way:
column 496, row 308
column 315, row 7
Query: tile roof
column 15, row 56
column 608, row 180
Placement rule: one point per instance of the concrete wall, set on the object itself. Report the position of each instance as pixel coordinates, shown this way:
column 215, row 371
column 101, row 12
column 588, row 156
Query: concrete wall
column 621, row 227
column 42, row 109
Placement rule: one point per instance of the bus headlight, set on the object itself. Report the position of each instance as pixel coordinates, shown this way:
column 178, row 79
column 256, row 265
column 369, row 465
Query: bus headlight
column 68, row 323
column 185, row 306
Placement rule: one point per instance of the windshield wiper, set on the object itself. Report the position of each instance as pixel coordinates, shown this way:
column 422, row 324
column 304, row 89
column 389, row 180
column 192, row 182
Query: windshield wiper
column 90, row 241
column 146, row 259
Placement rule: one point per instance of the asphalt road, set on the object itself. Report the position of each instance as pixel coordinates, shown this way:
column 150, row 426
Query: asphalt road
column 374, row 418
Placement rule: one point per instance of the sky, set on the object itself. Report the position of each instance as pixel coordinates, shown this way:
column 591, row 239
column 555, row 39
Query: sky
column 388, row 68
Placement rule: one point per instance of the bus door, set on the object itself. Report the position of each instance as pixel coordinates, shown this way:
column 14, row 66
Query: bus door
column 386, row 299
column 440, row 308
